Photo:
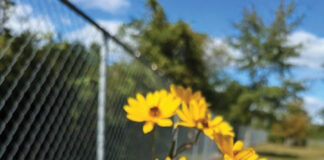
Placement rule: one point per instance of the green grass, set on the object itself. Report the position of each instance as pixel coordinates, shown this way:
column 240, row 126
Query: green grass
column 314, row 151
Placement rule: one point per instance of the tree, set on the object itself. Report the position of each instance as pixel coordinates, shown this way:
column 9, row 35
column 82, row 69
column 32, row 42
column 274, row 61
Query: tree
column 265, row 48
column 265, row 51
column 174, row 48
column 293, row 127
column 321, row 114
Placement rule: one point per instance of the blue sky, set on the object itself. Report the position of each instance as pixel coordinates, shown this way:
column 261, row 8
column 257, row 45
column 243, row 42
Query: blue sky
column 213, row 17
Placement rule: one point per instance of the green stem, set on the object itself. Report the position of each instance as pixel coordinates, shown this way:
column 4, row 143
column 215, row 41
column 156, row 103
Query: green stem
column 173, row 142
column 153, row 144
column 186, row 145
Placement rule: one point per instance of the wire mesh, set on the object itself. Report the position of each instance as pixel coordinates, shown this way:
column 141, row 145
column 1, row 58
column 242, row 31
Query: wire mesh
column 48, row 84
column 49, row 73
column 126, row 77
column 49, row 61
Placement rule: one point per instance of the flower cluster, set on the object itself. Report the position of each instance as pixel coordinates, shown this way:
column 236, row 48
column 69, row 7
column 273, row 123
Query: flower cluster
column 159, row 107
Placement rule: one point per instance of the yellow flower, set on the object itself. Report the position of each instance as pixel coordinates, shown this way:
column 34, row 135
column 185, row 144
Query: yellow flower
column 196, row 115
column 223, row 128
column 155, row 108
column 185, row 94
column 168, row 158
column 236, row 151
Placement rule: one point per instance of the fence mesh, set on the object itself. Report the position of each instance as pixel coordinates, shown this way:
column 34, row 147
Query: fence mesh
column 49, row 72
column 127, row 76
column 48, row 93
column 49, row 86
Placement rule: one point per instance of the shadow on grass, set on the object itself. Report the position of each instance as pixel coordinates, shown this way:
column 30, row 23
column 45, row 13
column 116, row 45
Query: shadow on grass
column 277, row 155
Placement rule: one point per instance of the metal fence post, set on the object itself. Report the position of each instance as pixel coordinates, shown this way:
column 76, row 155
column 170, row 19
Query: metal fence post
column 102, row 100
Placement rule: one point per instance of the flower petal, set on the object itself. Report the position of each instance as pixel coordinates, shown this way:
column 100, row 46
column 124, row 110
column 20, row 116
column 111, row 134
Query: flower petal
column 185, row 124
column 182, row 116
column 133, row 102
column 248, row 154
column 224, row 143
column 182, row 158
column 135, row 118
column 227, row 157
column 168, row 106
column 140, row 98
column 165, row 122
column 217, row 120
column 238, row 146
column 185, row 110
column 148, row 127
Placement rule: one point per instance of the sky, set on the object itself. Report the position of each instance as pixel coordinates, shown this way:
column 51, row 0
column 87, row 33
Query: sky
column 213, row 17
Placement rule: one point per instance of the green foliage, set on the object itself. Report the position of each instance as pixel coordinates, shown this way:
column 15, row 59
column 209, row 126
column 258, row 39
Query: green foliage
column 321, row 114
column 294, row 125
column 175, row 49
column 256, row 105
column 184, row 56
column 39, row 76
column 316, row 131
column 125, row 79
column 265, row 52
column 67, row 77
column 264, row 47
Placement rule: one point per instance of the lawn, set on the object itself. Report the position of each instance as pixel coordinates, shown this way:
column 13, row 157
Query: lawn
column 314, row 151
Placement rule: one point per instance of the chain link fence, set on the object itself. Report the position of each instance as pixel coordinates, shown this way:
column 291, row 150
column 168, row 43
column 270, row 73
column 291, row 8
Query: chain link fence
column 49, row 82
column 47, row 87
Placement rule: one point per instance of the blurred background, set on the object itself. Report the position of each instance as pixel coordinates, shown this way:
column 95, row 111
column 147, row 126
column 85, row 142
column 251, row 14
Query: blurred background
column 260, row 64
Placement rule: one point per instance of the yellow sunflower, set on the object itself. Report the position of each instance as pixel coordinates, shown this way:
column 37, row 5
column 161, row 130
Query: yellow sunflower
column 234, row 151
column 155, row 108
column 185, row 94
column 196, row 115
column 168, row 158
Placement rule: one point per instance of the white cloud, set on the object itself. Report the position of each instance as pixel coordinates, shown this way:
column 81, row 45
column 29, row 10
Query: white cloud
column 220, row 42
column 23, row 19
column 66, row 21
column 112, row 6
column 312, row 52
column 219, row 54
column 89, row 34
column 313, row 106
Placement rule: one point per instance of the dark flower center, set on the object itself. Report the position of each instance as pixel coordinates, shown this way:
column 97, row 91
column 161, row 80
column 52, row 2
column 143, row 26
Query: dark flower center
column 204, row 123
column 155, row 111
